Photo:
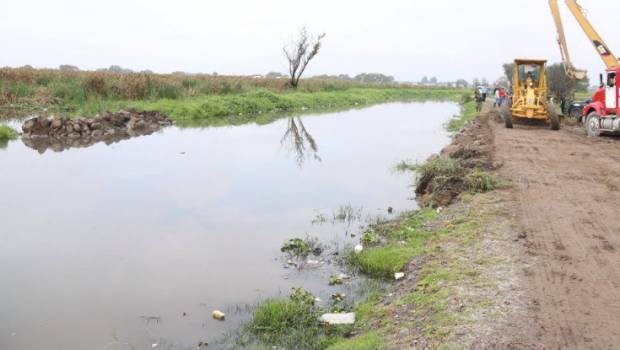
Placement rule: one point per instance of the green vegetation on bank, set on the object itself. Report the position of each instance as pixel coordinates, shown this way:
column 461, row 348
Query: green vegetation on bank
column 257, row 103
column 290, row 323
column 402, row 245
column 196, row 99
column 6, row 134
column 468, row 112
column 423, row 232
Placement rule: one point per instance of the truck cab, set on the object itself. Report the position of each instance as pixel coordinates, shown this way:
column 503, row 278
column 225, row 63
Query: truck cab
column 605, row 99
column 602, row 115
column 611, row 92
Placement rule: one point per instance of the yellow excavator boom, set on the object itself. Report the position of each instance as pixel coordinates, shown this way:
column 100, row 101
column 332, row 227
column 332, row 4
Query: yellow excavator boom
column 571, row 71
column 606, row 55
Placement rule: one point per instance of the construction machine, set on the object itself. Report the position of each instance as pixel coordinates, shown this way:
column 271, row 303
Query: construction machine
column 602, row 114
column 529, row 100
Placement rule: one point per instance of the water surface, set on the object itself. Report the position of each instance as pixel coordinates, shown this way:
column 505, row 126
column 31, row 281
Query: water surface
column 95, row 242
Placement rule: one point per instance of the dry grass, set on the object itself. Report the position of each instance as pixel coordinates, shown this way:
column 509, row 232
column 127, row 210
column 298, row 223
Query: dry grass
column 25, row 86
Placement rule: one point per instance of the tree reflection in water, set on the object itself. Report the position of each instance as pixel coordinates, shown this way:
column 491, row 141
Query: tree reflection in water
column 298, row 140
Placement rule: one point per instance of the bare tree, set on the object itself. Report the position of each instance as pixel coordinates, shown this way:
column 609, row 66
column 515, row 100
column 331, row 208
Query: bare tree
column 300, row 52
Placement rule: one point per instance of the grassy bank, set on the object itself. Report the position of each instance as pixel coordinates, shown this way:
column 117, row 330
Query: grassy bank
column 263, row 105
column 205, row 99
column 468, row 112
column 452, row 279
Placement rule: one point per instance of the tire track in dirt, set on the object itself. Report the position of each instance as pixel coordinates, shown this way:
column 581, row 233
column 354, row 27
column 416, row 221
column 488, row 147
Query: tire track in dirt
column 567, row 188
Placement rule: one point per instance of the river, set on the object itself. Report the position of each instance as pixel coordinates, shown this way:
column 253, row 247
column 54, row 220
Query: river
column 133, row 244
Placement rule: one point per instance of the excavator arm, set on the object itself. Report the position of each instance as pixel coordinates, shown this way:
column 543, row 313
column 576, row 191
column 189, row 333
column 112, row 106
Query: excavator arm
column 571, row 71
column 601, row 48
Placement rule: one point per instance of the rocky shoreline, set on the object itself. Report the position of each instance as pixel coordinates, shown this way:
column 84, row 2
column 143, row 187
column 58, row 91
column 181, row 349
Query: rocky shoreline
column 60, row 133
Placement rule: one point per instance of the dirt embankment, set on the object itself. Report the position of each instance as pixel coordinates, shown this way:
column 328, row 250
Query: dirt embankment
column 60, row 133
column 553, row 235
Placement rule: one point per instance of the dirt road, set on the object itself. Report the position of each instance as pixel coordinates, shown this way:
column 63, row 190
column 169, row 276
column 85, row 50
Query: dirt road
column 567, row 189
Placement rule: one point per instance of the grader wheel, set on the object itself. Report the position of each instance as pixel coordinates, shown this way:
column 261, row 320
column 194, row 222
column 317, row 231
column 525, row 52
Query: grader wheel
column 506, row 114
column 554, row 119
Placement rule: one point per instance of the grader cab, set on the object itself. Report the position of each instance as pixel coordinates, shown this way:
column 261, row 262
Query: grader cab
column 529, row 100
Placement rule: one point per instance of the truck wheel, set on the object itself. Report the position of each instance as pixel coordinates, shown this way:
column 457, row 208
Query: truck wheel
column 554, row 120
column 506, row 114
column 593, row 125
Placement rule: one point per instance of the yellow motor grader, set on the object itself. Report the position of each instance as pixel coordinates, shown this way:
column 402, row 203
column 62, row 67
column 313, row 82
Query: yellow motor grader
column 530, row 96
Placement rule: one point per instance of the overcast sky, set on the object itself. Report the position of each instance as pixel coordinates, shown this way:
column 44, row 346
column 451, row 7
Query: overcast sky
column 409, row 39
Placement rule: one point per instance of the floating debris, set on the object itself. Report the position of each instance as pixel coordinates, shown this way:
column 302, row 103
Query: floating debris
column 218, row 315
column 338, row 296
column 358, row 248
column 399, row 276
column 338, row 318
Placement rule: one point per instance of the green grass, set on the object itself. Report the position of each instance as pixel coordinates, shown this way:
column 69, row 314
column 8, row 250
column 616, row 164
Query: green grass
column 367, row 341
column 193, row 99
column 480, row 181
column 291, row 323
column 440, row 166
column 6, row 134
column 405, row 242
column 265, row 105
column 468, row 112
column 429, row 301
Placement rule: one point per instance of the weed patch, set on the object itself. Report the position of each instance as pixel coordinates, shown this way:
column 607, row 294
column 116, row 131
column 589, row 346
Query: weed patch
column 301, row 248
column 291, row 323
column 479, row 181
column 6, row 134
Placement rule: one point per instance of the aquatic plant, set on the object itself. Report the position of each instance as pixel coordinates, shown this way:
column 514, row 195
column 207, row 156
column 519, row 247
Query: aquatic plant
column 298, row 247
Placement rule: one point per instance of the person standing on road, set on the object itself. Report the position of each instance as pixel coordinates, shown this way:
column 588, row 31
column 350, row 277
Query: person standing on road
column 497, row 102
column 479, row 99
column 502, row 96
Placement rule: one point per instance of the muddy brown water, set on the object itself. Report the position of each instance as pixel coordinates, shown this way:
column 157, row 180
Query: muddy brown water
column 132, row 245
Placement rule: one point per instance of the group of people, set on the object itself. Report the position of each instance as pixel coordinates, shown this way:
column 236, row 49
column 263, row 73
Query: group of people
column 481, row 93
column 500, row 96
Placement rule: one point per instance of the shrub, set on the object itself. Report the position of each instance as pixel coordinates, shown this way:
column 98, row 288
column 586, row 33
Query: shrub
column 169, row 91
